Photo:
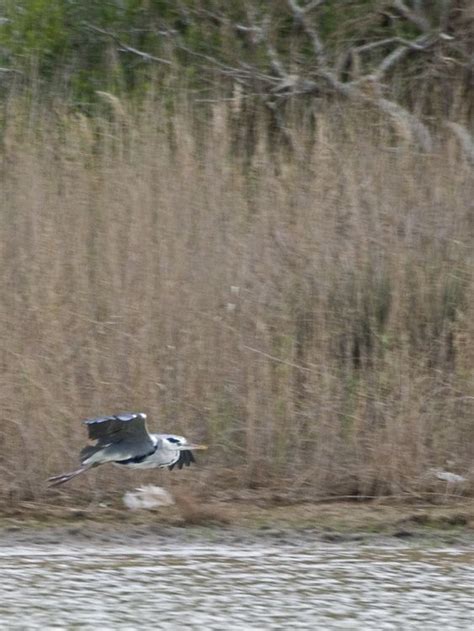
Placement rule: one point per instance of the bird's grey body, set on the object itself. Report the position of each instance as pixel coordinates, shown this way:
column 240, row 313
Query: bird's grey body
column 123, row 439
column 165, row 453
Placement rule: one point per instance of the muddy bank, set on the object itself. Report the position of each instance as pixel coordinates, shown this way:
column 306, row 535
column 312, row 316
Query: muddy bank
column 238, row 521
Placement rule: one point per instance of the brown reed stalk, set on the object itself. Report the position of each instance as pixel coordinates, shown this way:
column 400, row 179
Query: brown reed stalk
column 310, row 316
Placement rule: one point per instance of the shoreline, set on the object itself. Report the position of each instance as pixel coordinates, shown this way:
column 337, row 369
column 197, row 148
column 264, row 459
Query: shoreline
column 239, row 522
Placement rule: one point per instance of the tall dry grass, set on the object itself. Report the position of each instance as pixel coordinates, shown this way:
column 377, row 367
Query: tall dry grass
column 310, row 316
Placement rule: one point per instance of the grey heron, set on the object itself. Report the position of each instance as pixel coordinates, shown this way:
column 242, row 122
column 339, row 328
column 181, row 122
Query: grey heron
column 124, row 440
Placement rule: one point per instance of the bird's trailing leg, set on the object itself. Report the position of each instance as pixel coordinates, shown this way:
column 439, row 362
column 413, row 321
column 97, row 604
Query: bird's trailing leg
column 56, row 480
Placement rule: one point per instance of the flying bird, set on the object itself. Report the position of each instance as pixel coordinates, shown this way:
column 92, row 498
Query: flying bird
column 124, row 440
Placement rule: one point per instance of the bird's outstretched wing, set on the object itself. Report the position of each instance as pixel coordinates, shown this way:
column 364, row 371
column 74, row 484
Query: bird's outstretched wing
column 186, row 457
column 112, row 429
column 123, row 434
column 116, row 438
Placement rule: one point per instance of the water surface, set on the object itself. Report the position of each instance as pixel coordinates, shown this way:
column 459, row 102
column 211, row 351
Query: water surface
column 237, row 586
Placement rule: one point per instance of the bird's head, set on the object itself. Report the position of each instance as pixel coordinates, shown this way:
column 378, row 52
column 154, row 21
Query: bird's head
column 179, row 442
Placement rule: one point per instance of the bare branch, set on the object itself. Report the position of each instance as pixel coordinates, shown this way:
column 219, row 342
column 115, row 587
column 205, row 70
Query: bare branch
column 244, row 73
column 280, row 84
column 390, row 60
column 416, row 44
column 415, row 17
column 421, row 43
column 275, row 62
column 312, row 5
column 145, row 56
column 365, row 89
column 299, row 15
column 318, row 47
column 129, row 49
column 254, row 31
column 372, row 45
column 411, row 123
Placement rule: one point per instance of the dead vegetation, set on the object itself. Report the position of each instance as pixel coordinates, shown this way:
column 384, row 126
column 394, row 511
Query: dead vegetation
column 311, row 317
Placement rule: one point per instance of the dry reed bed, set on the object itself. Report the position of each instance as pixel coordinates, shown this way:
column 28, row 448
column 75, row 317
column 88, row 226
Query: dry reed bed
column 310, row 317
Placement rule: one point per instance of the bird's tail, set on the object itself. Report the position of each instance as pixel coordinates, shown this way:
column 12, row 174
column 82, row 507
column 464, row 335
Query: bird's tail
column 56, row 480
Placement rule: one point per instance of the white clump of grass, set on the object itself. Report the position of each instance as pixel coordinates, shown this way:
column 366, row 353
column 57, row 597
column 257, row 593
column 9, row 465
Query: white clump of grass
column 448, row 476
column 147, row 498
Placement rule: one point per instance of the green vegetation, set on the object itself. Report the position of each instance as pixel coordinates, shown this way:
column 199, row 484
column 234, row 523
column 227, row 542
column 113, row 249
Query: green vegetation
column 270, row 50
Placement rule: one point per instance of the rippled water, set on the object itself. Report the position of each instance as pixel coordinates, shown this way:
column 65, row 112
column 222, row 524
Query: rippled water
column 316, row 586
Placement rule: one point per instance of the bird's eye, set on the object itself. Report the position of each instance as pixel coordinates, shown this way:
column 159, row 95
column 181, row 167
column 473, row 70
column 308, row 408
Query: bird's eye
column 173, row 440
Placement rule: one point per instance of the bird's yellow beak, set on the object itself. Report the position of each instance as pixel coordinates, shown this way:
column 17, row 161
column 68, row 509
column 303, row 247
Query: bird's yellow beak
column 193, row 447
